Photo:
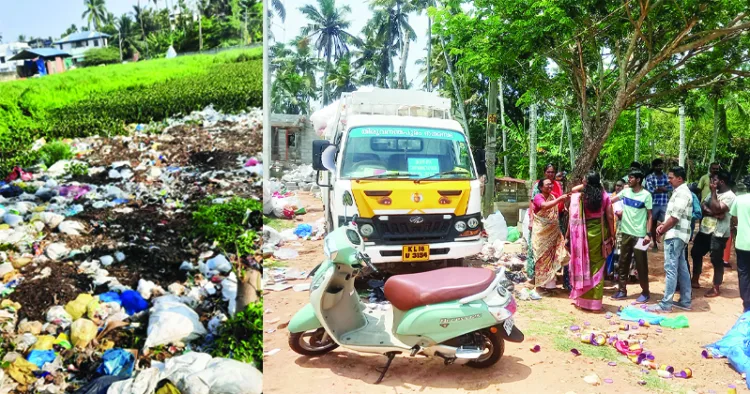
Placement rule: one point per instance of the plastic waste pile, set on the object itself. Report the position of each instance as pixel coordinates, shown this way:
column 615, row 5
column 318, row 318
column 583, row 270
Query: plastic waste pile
column 733, row 346
column 75, row 219
column 281, row 245
column 301, row 177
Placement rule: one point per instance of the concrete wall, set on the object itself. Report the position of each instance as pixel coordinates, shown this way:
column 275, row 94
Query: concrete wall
column 302, row 154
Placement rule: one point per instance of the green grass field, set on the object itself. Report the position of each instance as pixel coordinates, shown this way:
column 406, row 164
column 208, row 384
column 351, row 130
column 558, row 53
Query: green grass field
column 102, row 100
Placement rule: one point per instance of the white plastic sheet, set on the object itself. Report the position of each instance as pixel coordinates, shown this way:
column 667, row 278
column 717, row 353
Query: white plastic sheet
column 496, row 227
column 172, row 321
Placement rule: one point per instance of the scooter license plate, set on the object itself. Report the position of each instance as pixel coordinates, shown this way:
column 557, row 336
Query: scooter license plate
column 508, row 325
column 411, row 253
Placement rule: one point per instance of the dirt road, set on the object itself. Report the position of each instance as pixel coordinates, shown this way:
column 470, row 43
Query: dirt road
column 552, row 370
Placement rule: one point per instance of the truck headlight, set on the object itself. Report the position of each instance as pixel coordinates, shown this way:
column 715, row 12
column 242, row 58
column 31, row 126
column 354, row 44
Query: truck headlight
column 366, row 230
column 473, row 223
column 460, row 226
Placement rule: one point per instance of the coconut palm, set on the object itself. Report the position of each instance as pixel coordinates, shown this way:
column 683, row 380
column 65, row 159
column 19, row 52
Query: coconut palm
column 327, row 27
column 96, row 13
column 342, row 77
column 419, row 7
column 390, row 24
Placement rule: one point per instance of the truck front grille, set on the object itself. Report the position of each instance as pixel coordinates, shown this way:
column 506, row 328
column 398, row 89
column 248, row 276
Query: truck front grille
column 402, row 228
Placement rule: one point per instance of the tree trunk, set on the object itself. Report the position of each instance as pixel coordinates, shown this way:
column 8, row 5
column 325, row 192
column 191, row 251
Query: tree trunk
column 325, row 74
column 682, row 136
column 532, row 142
column 200, row 31
column 490, row 149
column 429, row 53
column 456, row 89
column 119, row 39
column 502, row 128
column 404, row 58
column 571, row 151
column 637, row 154
column 717, row 126
column 247, row 289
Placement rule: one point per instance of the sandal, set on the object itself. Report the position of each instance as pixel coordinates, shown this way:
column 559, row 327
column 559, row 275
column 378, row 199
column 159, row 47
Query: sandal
column 712, row 293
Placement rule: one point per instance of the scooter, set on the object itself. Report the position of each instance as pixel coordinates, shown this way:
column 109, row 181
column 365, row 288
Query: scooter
column 462, row 315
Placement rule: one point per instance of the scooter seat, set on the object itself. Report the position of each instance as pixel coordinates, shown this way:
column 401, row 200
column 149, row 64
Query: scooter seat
column 409, row 291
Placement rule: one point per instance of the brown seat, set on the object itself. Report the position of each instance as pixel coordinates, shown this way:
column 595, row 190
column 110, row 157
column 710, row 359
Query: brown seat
column 413, row 290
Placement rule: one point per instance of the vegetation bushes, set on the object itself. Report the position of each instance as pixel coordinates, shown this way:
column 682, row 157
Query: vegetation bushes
column 232, row 225
column 55, row 151
column 241, row 337
column 97, row 56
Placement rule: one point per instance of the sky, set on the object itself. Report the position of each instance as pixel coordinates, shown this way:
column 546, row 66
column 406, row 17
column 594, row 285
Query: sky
column 295, row 20
column 44, row 18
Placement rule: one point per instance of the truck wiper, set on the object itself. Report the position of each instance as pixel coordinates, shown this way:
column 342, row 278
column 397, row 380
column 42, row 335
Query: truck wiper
column 386, row 174
column 451, row 172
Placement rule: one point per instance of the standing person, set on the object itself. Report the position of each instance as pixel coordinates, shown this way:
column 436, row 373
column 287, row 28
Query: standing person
column 714, row 231
column 634, row 166
column 697, row 216
column 557, row 191
column 676, row 232
column 614, row 258
column 548, row 242
column 636, row 220
column 658, row 185
column 705, row 181
column 740, row 212
column 591, row 241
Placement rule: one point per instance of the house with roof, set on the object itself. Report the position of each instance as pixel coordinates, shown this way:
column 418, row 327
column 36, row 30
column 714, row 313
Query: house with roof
column 77, row 44
column 41, row 61
column 7, row 51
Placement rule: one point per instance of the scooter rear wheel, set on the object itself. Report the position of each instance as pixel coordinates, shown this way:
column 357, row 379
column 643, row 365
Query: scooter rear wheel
column 312, row 343
column 494, row 347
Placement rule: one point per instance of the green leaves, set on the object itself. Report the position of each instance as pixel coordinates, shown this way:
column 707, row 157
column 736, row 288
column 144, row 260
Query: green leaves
column 241, row 337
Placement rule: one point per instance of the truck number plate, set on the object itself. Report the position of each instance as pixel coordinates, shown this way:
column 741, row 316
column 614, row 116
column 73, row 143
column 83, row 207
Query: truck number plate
column 415, row 253
column 508, row 325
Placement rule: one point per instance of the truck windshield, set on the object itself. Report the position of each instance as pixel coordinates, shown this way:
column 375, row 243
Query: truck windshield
column 383, row 152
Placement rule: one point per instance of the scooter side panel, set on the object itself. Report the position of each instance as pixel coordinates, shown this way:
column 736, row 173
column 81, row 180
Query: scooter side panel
column 441, row 322
column 304, row 320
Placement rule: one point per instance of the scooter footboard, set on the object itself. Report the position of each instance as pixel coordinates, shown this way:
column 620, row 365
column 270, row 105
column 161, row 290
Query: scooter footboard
column 304, row 320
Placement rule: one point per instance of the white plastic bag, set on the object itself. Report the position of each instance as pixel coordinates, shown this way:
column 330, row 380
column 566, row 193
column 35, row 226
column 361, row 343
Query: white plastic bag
column 143, row 383
column 229, row 292
column 279, row 203
column 172, row 321
column 496, row 228
column 71, row 227
column 177, row 369
column 219, row 263
column 223, row 375
column 322, row 118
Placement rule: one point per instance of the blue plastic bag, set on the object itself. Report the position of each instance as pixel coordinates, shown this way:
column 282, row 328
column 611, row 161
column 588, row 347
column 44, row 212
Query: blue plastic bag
column 735, row 345
column 41, row 357
column 110, row 297
column 303, row 230
column 133, row 302
column 117, row 362
column 637, row 314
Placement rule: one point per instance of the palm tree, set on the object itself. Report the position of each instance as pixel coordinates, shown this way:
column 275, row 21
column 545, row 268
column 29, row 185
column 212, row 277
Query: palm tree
column 328, row 26
column 21, row 38
column 390, row 24
column 96, row 12
column 342, row 78
column 138, row 16
column 419, row 6
column 125, row 33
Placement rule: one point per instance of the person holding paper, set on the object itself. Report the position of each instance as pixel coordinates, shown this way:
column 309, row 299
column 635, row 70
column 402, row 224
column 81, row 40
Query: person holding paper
column 636, row 220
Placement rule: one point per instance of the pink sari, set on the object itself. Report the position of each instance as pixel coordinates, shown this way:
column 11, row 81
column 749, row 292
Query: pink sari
column 587, row 287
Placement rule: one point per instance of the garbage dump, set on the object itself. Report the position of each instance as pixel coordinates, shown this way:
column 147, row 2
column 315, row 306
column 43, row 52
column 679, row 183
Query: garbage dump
column 103, row 284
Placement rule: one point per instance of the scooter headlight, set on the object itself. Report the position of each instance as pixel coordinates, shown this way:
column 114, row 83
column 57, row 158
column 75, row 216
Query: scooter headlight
column 473, row 223
column 460, row 226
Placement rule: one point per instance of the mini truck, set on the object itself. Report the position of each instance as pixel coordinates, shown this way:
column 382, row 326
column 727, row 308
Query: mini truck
column 396, row 161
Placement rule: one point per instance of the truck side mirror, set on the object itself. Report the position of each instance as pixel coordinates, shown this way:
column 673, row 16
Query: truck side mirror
column 322, row 161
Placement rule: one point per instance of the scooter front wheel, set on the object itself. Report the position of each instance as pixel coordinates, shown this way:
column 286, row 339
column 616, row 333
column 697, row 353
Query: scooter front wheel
column 312, row 343
column 494, row 347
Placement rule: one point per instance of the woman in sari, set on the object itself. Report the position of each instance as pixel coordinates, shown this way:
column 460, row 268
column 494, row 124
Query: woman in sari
column 548, row 242
column 590, row 232
column 557, row 191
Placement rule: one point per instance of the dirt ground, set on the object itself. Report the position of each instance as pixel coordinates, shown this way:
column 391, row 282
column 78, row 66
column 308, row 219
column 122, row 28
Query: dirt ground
column 552, row 370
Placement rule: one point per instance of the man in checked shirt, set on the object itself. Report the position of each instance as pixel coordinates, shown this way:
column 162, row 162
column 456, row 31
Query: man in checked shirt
column 658, row 185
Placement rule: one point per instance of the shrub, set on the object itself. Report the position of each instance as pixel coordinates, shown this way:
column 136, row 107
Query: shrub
column 55, row 151
column 232, row 225
column 97, row 56
column 241, row 337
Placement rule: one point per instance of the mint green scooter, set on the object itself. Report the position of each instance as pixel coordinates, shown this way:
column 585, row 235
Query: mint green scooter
column 462, row 315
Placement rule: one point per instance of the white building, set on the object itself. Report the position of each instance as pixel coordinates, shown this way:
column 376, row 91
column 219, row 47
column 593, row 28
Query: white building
column 77, row 44
column 6, row 52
